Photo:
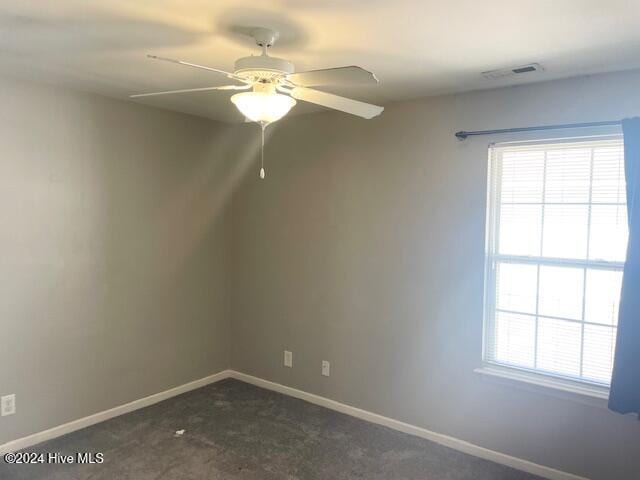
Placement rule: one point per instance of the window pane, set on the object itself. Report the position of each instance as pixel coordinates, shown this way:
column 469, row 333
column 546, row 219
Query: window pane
column 522, row 176
column 599, row 346
column 602, row 296
column 514, row 339
column 561, row 292
column 559, row 346
column 608, row 175
column 565, row 231
column 568, row 175
column 520, row 230
column 516, row 287
column 609, row 233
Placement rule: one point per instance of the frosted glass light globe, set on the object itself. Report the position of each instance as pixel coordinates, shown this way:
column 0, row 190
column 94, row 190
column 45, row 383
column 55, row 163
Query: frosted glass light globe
column 263, row 107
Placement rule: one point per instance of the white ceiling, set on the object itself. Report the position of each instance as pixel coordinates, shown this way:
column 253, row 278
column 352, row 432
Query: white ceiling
column 415, row 47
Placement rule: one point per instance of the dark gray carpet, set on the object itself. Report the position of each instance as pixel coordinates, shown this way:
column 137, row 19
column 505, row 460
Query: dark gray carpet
column 237, row 431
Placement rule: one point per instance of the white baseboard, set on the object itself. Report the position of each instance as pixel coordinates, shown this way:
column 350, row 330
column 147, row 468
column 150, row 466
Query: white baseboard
column 451, row 442
column 30, row 440
column 456, row 444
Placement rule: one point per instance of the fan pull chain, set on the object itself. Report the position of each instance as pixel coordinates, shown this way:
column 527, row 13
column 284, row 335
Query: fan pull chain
column 262, row 175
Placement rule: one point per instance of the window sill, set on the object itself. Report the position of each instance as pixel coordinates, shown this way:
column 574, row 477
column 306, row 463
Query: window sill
column 584, row 393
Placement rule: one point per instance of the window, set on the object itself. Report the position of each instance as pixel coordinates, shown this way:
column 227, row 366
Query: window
column 556, row 245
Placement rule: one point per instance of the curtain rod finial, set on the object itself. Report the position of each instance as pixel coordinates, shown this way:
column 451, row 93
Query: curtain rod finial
column 461, row 135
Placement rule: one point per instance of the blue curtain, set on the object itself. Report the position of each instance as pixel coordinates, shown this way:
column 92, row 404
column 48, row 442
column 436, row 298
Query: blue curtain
column 625, row 383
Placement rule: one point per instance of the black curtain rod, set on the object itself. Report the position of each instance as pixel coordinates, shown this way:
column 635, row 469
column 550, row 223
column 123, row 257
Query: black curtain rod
column 463, row 135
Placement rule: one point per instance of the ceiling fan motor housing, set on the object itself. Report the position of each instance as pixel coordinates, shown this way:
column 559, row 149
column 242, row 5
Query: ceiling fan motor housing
column 262, row 67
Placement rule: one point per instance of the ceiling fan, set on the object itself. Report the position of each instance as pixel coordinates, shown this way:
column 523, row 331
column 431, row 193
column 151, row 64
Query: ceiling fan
column 272, row 85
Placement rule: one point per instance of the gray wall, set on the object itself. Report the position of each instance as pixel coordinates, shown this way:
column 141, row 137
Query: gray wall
column 122, row 262
column 115, row 251
column 364, row 246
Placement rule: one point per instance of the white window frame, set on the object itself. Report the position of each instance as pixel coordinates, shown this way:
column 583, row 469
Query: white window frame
column 579, row 386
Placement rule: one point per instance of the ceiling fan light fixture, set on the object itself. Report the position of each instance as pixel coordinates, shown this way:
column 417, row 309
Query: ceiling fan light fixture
column 263, row 107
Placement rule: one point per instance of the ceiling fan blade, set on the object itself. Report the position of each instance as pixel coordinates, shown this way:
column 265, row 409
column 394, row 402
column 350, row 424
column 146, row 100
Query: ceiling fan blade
column 188, row 90
column 347, row 105
column 195, row 65
column 333, row 76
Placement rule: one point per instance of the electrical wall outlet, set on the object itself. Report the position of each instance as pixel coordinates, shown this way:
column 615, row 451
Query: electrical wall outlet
column 8, row 405
column 288, row 359
column 326, row 368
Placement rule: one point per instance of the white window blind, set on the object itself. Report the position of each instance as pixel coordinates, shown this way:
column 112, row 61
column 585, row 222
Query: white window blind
column 556, row 245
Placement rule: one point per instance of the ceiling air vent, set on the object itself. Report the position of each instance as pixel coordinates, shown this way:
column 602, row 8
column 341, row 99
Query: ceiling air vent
column 511, row 72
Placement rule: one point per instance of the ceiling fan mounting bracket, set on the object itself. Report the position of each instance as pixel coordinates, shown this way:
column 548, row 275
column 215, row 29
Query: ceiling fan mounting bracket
column 264, row 37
